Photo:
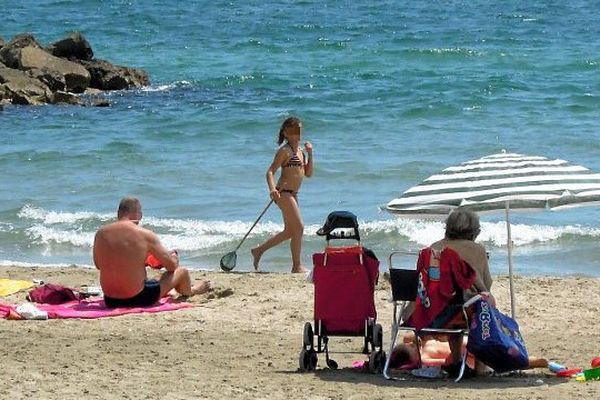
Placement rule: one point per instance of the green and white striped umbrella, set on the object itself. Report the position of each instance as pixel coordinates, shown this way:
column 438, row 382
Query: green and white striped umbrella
column 503, row 181
column 486, row 184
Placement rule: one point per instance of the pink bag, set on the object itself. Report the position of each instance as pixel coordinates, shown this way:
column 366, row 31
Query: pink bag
column 52, row 294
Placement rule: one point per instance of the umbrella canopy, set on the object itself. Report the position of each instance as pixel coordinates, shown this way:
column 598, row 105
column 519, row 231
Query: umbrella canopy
column 501, row 181
column 486, row 184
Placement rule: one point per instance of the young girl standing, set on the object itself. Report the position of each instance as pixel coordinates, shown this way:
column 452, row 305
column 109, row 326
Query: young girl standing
column 295, row 165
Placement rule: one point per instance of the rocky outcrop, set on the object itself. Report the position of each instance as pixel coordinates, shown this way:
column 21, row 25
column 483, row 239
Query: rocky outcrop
column 77, row 78
column 20, row 88
column 106, row 76
column 32, row 74
column 74, row 47
column 10, row 54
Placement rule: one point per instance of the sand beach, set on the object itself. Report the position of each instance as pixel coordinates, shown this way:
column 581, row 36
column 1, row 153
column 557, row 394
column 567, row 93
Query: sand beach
column 243, row 339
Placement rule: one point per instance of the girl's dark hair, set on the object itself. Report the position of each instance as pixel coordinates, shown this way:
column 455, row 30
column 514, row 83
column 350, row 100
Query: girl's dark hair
column 400, row 356
column 288, row 123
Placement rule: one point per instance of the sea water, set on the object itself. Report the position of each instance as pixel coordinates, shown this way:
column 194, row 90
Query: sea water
column 389, row 92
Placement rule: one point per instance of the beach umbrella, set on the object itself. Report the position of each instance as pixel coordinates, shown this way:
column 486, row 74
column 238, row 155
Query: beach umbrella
column 501, row 182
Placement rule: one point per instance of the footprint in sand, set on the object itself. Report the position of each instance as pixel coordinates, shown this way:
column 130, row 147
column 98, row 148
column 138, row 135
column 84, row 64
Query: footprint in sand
column 220, row 293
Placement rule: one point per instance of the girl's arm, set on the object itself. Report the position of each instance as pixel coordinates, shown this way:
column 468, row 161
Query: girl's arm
column 308, row 168
column 278, row 161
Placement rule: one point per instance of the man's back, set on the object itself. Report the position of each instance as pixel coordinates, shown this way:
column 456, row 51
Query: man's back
column 120, row 249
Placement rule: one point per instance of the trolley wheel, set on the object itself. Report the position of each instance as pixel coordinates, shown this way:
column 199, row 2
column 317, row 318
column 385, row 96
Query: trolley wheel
column 377, row 336
column 308, row 360
column 332, row 364
column 377, row 362
column 308, row 336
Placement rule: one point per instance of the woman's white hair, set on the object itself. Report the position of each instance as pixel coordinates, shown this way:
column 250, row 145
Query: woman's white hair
column 462, row 224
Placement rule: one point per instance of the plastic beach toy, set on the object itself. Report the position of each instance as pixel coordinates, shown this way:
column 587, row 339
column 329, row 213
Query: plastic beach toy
column 153, row 262
column 589, row 375
column 556, row 367
column 568, row 373
column 595, row 362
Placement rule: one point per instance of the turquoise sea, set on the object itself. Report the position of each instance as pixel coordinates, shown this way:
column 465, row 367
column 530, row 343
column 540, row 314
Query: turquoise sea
column 390, row 92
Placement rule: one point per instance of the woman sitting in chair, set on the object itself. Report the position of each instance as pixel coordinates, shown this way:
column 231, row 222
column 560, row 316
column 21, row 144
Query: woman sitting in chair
column 462, row 227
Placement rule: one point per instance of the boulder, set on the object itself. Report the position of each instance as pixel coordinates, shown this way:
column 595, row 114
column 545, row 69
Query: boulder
column 2, row 42
column 106, row 76
column 74, row 47
column 10, row 53
column 61, row 97
column 100, row 103
column 20, row 88
column 3, row 96
column 77, row 78
column 52, row 79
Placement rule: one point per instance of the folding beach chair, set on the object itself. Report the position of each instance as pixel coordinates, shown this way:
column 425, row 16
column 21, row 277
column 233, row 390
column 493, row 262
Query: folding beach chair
column 409, row 293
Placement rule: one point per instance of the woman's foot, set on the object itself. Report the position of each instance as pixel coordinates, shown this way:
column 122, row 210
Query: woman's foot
column 256, row 255
column 299, row 269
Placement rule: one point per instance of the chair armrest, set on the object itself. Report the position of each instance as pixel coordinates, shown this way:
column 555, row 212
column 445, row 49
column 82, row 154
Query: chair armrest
column 472, row 301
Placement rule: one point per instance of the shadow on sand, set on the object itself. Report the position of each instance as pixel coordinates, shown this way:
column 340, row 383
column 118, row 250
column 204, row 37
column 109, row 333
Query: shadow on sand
column 517, row 380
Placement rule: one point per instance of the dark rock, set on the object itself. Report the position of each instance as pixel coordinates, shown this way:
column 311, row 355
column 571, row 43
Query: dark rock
column 92, row 91
column 2, row 42
column 106, row 76
column 77, row 78
column 74, row 47
column 61, row 97
column 100, row 103
column 10, row 53
column 3, row 96
column 52, row 79
column 20, row 88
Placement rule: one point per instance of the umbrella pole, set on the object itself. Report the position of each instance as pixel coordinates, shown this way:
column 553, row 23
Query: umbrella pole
column 510, row 266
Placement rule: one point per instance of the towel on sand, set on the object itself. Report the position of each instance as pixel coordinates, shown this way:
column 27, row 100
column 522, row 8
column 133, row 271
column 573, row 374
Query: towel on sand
column 10, row 286
column 95, row 308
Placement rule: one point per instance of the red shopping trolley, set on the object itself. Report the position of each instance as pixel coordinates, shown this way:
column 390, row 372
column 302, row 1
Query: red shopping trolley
column 344, row 305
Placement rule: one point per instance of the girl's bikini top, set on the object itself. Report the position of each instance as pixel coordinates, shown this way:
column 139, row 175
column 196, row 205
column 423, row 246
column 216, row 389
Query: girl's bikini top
column 294, row 160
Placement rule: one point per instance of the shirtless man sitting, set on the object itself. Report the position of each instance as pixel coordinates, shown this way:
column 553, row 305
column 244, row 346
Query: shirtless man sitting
column 120, row 251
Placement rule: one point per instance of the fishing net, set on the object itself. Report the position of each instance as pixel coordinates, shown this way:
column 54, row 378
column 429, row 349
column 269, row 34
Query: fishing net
column 228, row 261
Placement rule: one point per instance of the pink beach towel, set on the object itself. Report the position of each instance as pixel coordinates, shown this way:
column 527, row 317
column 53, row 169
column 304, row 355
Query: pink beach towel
column 96, row 308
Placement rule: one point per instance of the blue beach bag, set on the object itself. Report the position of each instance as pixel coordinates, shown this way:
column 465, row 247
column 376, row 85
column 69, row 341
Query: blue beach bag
column 495, row 340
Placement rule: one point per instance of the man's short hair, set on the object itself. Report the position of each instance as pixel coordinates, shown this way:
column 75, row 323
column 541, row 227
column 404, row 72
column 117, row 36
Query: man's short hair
column 128, row 205
column 462, row 224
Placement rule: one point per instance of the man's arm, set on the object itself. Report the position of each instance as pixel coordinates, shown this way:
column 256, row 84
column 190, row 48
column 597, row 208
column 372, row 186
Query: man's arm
column 94, row 249
column 168, row 260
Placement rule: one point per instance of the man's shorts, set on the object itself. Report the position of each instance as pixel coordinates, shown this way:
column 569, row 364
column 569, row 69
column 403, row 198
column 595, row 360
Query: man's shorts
column 148, row 296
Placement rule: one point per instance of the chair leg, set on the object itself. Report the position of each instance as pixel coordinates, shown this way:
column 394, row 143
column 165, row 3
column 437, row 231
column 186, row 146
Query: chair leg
column 392, row 345
column 463, row 364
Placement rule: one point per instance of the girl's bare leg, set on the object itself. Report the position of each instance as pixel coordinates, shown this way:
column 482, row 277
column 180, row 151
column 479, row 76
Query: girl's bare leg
column 293, row 229
column 257, row 252
column 295, row 225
